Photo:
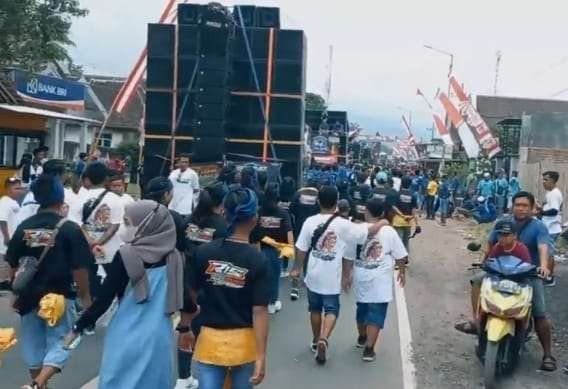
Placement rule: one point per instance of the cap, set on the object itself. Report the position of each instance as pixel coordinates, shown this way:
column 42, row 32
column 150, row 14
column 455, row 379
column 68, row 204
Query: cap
column 481, row 199
column 487, row 175
column 505, row 227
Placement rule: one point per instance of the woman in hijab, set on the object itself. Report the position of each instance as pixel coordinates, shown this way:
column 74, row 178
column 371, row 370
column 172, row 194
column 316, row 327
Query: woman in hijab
column 233, row 277
column 147, row 277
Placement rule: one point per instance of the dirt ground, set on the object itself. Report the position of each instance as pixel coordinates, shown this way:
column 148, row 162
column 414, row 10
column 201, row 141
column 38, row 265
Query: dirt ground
column 438, row 297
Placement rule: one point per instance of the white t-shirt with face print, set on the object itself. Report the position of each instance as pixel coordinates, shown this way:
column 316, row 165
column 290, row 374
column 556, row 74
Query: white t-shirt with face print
column 325, row 263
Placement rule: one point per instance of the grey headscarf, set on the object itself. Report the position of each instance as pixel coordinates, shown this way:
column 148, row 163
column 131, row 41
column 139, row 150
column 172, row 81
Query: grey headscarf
column 155, row 240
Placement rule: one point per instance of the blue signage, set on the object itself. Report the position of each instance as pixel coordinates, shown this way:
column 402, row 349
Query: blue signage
column 320, row 145
column 50, row 90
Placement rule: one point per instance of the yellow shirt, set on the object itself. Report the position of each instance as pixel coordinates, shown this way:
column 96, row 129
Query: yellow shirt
column 432, row 188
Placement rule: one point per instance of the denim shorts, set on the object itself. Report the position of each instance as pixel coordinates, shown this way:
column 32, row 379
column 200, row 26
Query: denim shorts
column 328, row 303
column 372, row 314
column 213, row 376
column 41, row 344
column 538, row 300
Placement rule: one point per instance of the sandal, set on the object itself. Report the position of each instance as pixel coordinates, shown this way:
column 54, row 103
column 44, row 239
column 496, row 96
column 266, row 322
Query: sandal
column 321, row 353
column 548, row 363
column 467, row 327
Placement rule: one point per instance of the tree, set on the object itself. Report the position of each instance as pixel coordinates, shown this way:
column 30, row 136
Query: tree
column 35, row 32
column 315, row 102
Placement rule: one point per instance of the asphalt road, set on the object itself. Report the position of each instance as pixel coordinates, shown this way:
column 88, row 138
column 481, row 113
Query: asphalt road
column 290, row 363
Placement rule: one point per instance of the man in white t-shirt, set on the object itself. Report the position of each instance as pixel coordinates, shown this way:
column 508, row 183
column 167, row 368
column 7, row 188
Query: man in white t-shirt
column 186, row 187
column 371, row 273
column 102, row 212
column 552, row 206
column 9, row 208
column 326, row 242
column 70, row 208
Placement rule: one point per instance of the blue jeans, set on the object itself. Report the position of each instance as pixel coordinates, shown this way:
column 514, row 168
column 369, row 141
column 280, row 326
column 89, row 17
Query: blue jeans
column 328, row 303
column 41, row 344
column 213, row 377
column 444, row 207
column 275, row 264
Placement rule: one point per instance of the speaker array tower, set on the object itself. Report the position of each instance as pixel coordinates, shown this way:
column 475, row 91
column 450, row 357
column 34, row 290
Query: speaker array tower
column 204, row 98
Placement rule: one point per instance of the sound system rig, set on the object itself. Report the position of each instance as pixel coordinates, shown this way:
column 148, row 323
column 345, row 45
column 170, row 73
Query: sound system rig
column 335, row 126
column 200, row 74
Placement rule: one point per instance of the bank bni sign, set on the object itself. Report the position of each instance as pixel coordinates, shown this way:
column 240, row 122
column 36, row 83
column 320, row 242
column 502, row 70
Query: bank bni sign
column 50, row 91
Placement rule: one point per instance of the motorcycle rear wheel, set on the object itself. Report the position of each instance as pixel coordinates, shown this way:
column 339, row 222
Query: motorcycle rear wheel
column 490, row 364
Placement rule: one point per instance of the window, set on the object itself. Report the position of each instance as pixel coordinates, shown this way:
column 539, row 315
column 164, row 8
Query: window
column 105, row 140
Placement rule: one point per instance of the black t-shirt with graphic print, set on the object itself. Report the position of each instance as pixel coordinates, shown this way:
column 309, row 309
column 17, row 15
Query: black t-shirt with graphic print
column 274, row 223
column 55, row 273
column 232, row 278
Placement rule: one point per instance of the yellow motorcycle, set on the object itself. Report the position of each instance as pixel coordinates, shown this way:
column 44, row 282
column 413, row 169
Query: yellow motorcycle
column 505, row 315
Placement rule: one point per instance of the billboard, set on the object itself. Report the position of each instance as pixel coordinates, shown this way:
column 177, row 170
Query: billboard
column 51, row 91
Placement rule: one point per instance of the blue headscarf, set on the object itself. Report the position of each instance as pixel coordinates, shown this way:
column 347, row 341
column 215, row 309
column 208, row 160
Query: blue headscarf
column 245, row 210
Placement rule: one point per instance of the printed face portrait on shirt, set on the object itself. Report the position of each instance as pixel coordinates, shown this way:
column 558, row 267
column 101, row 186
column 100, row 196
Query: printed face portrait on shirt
column 326, row 247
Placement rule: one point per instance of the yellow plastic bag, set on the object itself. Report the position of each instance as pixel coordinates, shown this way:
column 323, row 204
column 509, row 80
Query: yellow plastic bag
column 7, row 339
column 286, row 250
column 52, row 308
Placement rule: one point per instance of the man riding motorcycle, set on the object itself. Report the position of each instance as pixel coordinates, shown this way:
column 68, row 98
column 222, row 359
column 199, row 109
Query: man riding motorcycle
column 534, row 235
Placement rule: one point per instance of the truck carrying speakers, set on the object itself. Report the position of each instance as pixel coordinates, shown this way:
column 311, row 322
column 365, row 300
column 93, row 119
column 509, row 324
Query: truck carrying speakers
column 225, row 86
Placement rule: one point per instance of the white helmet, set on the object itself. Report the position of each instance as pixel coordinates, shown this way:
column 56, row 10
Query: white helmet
column 481, row 199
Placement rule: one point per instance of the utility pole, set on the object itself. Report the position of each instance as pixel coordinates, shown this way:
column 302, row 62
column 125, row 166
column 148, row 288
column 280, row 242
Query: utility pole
column 329, row 77
column 497, row 69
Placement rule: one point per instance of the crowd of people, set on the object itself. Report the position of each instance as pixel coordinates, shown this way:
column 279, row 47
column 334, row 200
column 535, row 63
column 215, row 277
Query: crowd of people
column 215, row 258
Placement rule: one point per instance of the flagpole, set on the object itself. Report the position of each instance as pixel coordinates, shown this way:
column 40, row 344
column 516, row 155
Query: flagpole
column 136, row 70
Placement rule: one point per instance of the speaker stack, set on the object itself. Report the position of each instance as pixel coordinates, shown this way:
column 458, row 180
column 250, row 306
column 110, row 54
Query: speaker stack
column 268, row 90
column 222, row 112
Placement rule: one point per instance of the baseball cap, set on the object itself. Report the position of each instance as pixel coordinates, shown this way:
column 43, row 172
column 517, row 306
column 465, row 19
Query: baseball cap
column 505, row 227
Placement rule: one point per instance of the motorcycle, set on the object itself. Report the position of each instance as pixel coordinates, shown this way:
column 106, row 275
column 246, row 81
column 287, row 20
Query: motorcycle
column 505, row 315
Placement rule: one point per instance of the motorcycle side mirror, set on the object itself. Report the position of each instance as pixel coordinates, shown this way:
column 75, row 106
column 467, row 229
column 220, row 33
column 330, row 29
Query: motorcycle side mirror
column 474, row 247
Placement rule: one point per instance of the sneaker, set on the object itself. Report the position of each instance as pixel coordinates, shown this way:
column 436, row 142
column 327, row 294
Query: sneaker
column 294, row 294
column 369, row 354
column 550, row 282
column 272, row 309
column 361, row 342
column 278, row 306
column 89, row 331
column 321, row 352
column 188, row 383
column 284, row 274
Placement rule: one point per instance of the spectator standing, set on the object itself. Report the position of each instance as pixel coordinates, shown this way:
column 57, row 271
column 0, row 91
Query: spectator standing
column 431, row 193
column 186, row 187
column 9, row 208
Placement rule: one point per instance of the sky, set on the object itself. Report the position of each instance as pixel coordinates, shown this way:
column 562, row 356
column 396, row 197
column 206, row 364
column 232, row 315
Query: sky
column 379, row 54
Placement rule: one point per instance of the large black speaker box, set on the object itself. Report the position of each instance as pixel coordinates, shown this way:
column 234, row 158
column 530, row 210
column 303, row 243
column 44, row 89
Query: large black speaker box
column 268, row 17
column 161, row 40
column 188, row 43
column 160, row 73
column 189, row 13
column 283, row 111
column 158, row 118
column 248, row 13
column 215, row 41
column 290, row 45
column 279, row 132
column 208, row 149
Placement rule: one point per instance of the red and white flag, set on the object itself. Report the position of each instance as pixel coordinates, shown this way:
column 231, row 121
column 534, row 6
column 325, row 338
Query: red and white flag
column 467, row 138
column 489, row 144
column 128, row 89
column 443, row 131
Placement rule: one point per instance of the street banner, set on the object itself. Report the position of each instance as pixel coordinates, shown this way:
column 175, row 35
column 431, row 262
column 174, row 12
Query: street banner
column 489, row 144
column 468, row 140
